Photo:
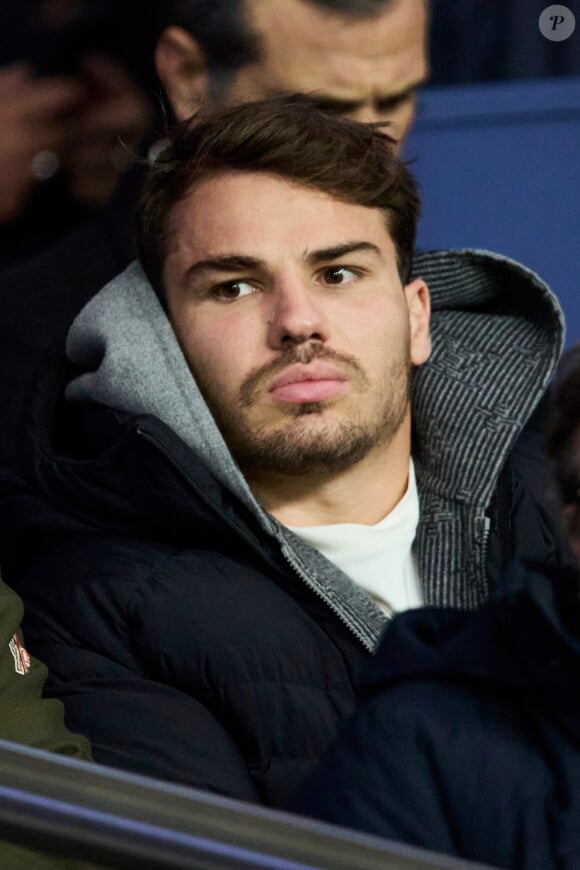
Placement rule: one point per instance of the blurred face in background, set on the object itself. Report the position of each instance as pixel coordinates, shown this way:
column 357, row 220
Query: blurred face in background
column 368, row 69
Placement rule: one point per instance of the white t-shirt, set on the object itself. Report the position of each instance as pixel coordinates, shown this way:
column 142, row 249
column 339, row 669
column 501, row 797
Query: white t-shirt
column 379, row 558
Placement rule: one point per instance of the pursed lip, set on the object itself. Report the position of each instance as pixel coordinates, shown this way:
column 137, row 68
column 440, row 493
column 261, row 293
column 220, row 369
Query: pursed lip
column 311, row 372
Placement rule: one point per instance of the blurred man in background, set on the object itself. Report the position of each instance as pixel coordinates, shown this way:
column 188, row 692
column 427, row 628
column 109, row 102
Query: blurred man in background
column 563, row 439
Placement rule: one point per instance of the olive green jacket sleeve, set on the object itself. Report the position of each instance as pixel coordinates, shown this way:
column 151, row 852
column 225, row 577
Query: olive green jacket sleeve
column 25, row 716
column 28, row 718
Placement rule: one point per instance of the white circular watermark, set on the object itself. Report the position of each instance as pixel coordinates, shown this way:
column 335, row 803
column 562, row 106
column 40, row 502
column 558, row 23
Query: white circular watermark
column 557, row 23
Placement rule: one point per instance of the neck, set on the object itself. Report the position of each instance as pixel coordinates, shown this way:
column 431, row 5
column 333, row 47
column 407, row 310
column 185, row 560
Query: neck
column 364, row 493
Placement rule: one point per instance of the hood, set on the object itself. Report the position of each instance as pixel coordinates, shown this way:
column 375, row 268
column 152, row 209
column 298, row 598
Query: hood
column 497, row 333
column 135, row 365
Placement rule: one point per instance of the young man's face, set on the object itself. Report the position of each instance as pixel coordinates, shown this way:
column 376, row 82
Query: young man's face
column 292, row 316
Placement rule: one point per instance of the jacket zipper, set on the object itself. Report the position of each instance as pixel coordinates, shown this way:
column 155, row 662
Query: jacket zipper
column 311, row 585
column 484, row 551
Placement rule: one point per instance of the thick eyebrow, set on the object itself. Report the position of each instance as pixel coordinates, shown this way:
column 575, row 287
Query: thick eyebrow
column 233, row 263
column 324, row 255
column 241, row 263
column 333, row 105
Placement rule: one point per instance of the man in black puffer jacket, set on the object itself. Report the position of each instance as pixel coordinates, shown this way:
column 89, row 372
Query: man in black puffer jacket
column 224, row 509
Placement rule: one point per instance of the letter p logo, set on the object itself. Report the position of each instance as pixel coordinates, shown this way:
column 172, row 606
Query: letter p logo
column 557, row 23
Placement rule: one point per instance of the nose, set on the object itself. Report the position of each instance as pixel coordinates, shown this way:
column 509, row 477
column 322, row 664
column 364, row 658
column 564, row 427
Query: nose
column 368, row 114
column 296, row 316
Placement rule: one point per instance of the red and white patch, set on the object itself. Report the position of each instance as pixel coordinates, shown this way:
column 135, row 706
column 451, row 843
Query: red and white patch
column 20, row 656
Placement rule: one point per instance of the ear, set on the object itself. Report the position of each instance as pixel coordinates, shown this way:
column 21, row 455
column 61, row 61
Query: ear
column 419, row 306
column 182, row 69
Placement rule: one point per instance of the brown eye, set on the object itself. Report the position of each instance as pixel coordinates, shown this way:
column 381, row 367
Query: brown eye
column 233, row 290
column 338, row 275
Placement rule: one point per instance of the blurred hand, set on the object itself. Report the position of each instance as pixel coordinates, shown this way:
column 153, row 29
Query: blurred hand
column 114, row 114
column 35, row 116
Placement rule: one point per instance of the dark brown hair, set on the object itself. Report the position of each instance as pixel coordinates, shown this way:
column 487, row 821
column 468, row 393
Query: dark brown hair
column 291, row 138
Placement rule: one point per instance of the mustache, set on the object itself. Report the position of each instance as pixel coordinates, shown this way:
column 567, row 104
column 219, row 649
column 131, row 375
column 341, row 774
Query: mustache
column 301, row 354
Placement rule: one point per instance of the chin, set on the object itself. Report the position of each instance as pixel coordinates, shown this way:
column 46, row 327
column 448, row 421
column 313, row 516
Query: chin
column 298, row 449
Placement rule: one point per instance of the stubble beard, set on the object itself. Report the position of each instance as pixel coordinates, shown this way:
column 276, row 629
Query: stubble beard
column 294, row 448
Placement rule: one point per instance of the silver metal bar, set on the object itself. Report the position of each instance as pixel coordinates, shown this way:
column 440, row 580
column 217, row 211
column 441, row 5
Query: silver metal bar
column 116, row 819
